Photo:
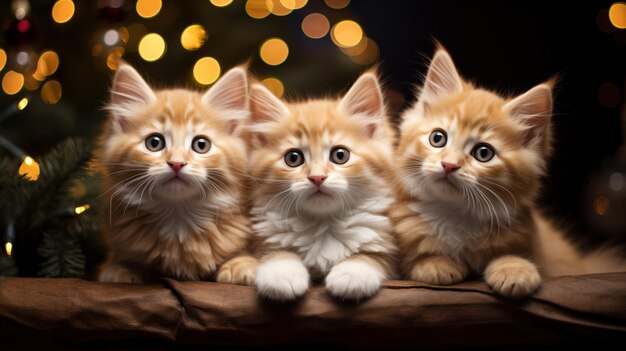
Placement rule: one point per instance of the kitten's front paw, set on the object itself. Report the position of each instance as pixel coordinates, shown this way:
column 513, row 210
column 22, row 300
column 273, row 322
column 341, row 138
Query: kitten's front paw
column 439, row 270
column 354, row 280
column 113, row 273
column 512, row 277
column 239, row 270
column 282, row 279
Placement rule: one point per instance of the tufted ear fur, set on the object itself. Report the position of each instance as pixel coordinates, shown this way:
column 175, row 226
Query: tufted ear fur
column 533, row 110
column 230, row 96
column 128, row 92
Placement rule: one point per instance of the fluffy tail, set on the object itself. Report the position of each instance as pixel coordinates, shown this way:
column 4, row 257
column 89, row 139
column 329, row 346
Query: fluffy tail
column 557, row 256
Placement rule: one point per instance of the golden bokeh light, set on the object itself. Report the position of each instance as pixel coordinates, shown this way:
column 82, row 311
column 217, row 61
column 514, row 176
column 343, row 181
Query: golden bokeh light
column 151, row 47
column 275, row 86
column 47, row 64
column 369, row 55
column 294, row 4
column 62, row 11
column 22, row 104
column 51, row 92
column 346, row 34
column 278, row 9
column 274, row 51
column 29, row 169
column 315, row 25
column 617, row 15
column 221, row 3
column 113, row 61
column 124, row 34
column 9, row 248
column 193, row 37
column 258, row 8
column 80, row 209
column 206, row 70
column 148, row 8
column 30, row 82
column 337, row 4
column 3, row 59
column 601, row 205
column 358, row 49
column 12, row 82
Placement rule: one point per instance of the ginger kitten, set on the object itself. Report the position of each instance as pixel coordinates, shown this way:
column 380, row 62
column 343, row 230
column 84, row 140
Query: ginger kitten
column 320, row 200
column 174, row 169
column 469, row 164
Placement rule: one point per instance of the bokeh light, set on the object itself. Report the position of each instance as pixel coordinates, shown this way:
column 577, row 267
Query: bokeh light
column 601, row 205
column 315, row 25
column 151, row 47
column 278, row 9
column 124, row 34
column 51, row 92
column 258, row 8
column 3, row 59
column 221, row 3
column 12, row 82
column 275, row 86
column 8, row 247
column 337, row 4
column 148, row 8
column 22, row 58
column 113, row 59
column 22, row 104
column 62, row 11
column 617, row 15
column 609, row 95
column 80, row 209
column 111, row 37
column 206, row 70
column 294, row 4
column 48, row 64
column 346, row 34
column 367, row 56
column 274, row 51
column 193, row 37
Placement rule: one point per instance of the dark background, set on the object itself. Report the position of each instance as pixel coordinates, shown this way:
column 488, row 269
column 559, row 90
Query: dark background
column 506, row 46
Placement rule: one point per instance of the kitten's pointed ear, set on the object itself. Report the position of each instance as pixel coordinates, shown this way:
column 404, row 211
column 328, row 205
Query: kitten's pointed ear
column 129, row 91
column 532, row 109
column 230, row 95
column 442, row 78
column 265, row 109
column 364, row 100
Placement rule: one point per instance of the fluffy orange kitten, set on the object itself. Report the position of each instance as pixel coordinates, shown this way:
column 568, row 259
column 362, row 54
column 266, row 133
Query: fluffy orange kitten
column 174, row 169
column 469, row 169
column 320, row 200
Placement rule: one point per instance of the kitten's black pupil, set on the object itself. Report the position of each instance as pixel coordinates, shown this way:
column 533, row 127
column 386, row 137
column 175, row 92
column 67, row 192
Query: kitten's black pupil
column 294, row 157
column 340, row 154
column 201, row 144
column 155, row 142
column 438, row 137
column 484, row 152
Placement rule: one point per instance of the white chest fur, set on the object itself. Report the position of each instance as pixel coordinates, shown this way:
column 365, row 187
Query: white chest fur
column 323, row 241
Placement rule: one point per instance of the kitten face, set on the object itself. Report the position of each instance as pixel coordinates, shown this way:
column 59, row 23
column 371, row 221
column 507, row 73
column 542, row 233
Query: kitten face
column 319, row 157
column 470, row 147
column 174, row 145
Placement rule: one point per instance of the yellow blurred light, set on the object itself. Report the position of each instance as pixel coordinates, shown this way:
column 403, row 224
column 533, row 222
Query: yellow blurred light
column 9, row 248
column 29, row 169
column 148, row 8
column 62, row 11
column 315, row 25
column 617, row 15
column 275, row 86
column 358, row 49
column 80, row 209
column 12, row 82
column 193, row 37
column 346, row 34
column 294, row 4
column 337, row 4
column 151, row 47
column 206, row 70
column 601, row 205
column 3, row 59
column 221, row 3
column 48, row 64
column 258, row 8
column 124, row 34
column 274, row 51
column 369, row 55
column 51, row 92
column 113, row 61
column 278, row 9
column 22, row 104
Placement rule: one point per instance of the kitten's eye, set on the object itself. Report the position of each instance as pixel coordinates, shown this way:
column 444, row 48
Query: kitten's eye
column 294, row 158
column 155, row 142
column 438, row 138
column 483, row 152
column 200, row 145
column 339, row 155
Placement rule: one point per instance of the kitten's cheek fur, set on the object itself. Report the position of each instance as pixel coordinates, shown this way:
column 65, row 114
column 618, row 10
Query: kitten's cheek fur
column 282, row 278
column 113, row 273
column 512, row 277
column 239, row 270
column 354, row 280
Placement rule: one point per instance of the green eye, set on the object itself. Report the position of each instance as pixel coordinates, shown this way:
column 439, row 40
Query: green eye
column 155, row 142
column 294, row 158
column 438, row 138
column 483, row 152
column 339, row 155
column 201, row 145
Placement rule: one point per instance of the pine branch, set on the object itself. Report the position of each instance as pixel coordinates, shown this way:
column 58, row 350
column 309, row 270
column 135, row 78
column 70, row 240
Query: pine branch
column 63, row 256
column 7, row 267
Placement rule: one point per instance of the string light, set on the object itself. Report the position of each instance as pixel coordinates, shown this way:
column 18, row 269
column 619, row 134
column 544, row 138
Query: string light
column 274, row 51
column 22, row 104
column 148, row 8
column 151, row 47
column 10, row 236
column 62, row 11
column 80, row 209
column 9, row 248
column 206, row 70
column 193, row 37
column 29, row 169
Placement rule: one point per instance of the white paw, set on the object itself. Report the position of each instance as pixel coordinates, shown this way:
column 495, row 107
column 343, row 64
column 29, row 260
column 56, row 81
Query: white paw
column 354, row 280
column 282, row 279
column 512, row 277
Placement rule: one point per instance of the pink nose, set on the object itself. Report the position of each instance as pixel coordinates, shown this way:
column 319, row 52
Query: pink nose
column 317, row 180
column 449, row 167
column 176, row 166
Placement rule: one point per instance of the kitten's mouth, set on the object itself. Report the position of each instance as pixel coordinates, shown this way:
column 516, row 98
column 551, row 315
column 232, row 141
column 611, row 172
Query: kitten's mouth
column 447, row 182
column 319, row 193
column 176, row 179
